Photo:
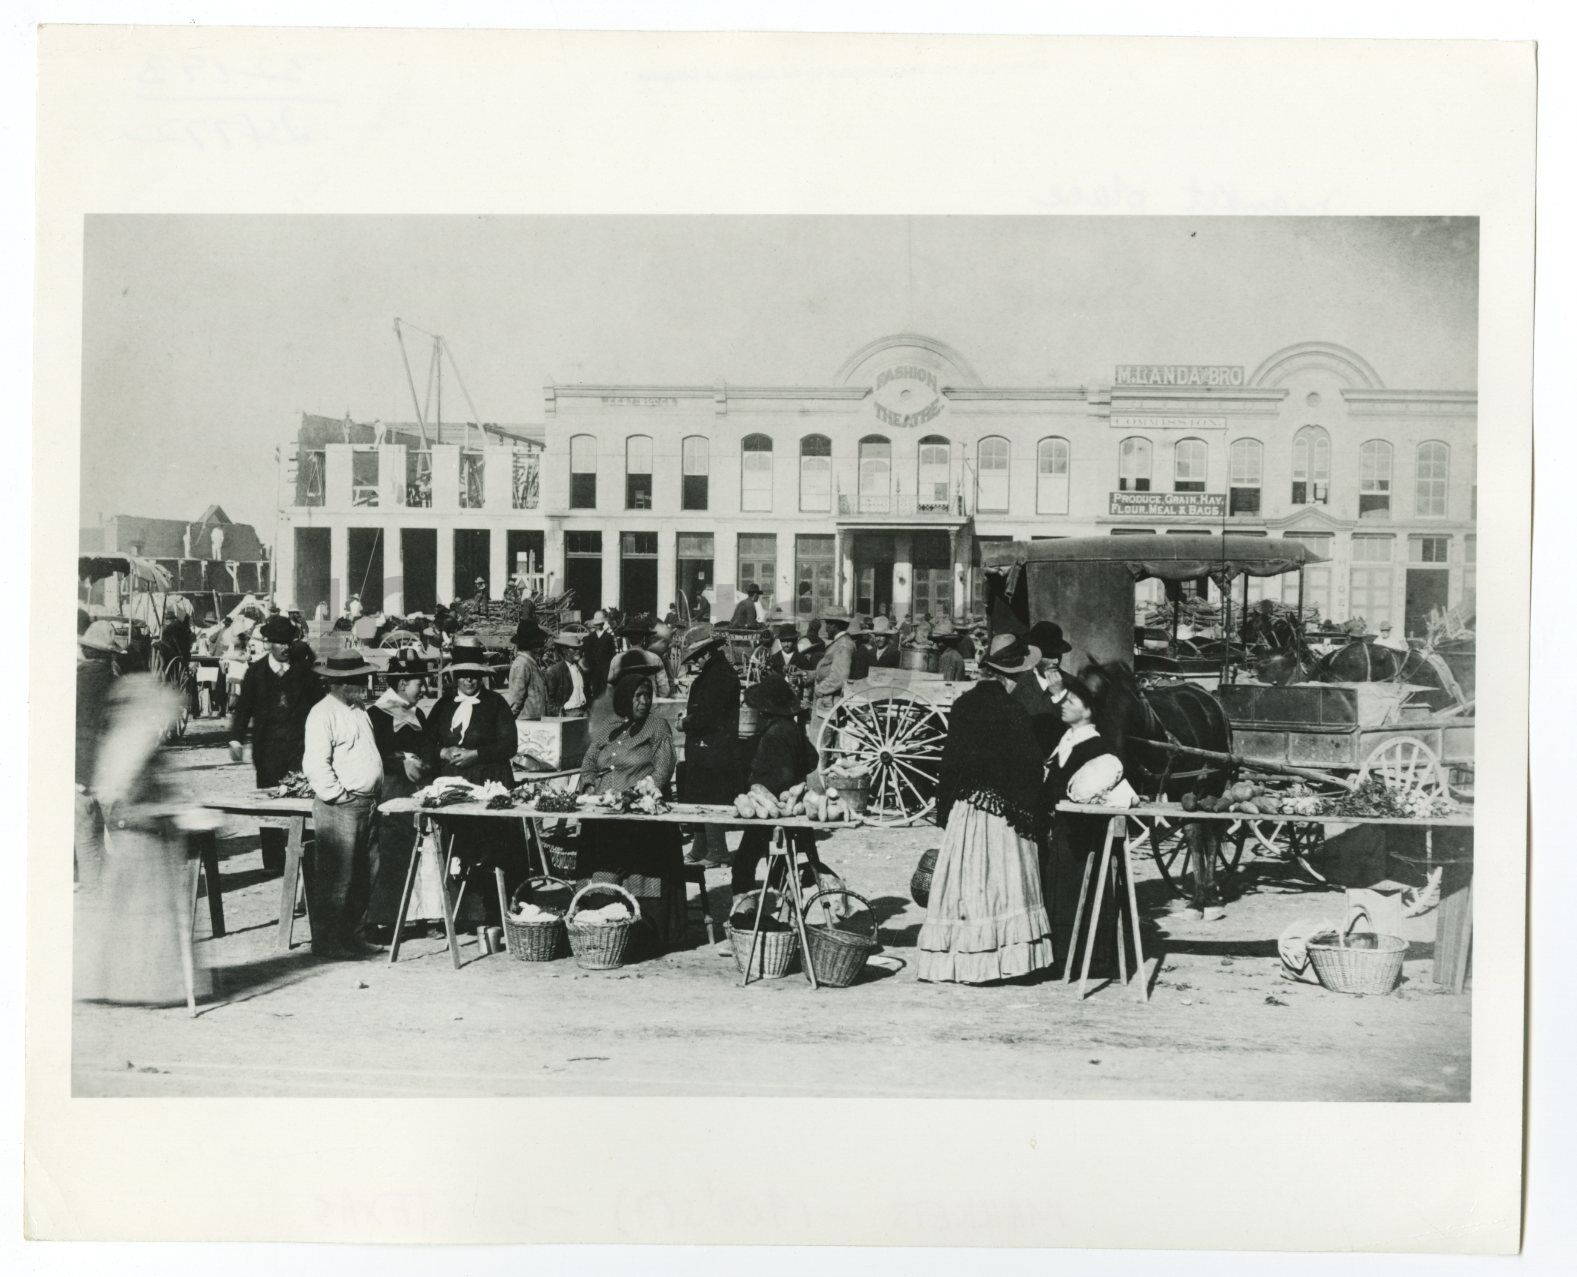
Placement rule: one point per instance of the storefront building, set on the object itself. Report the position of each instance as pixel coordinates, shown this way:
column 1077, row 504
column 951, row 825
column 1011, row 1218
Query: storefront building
column 876, row 489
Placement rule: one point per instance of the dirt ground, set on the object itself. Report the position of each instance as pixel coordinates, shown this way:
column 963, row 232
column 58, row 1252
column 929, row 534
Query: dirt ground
column 1222, row 1023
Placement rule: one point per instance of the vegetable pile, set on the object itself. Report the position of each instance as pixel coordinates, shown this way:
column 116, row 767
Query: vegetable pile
column 294, row 785
column 1373, row 798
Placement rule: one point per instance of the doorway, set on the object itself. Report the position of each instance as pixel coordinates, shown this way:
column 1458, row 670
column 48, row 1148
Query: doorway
column 364, row 566
column 419, row 554
column 312, row 571
column 1427, row 590
column 583, row 571
column 638, row 572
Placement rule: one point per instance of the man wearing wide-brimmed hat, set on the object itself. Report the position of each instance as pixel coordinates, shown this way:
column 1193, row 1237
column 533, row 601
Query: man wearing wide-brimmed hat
column 711, row 772
column 884, row 642
column 747, row 612
column 343, row 766
column 527, row 689
column 844, row 662
column 277, row 692
column 951, row 663
column 598, row 653
column 568, row 684
column 1039, row 690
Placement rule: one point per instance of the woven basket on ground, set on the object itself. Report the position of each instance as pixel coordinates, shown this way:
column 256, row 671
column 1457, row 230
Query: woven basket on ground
column 600, row 946
column 775, row 949
column 920, row 882
column 1365, row 963
column 835, row 950
column 539, row 941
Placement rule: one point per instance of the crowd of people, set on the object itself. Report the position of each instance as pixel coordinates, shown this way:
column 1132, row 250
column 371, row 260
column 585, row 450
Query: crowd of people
column 1019, row 739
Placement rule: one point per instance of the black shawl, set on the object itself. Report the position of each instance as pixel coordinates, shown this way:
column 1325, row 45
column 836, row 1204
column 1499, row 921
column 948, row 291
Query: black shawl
column 991, row 758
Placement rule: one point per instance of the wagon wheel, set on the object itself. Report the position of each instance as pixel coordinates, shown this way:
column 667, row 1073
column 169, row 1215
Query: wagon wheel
column 179, row 678
column 1300, row 841
column 897, row 736
column 1166, row 844
column 1407, row 764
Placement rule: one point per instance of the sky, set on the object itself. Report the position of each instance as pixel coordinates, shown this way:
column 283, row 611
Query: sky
column 205, row 338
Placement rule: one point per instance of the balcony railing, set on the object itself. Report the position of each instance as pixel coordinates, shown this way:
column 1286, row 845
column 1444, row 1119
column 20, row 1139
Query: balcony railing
column 942, row 505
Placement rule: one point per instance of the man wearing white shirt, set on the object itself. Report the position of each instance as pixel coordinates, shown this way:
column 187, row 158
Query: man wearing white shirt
column 343, row 765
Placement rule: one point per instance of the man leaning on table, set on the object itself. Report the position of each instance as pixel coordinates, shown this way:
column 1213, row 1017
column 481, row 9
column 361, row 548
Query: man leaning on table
column 345, row 769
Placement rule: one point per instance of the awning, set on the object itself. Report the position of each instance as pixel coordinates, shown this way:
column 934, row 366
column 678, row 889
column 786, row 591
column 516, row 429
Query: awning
column 1166, row 558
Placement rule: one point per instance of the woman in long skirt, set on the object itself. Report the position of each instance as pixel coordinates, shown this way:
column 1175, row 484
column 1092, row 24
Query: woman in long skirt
column 987, row 917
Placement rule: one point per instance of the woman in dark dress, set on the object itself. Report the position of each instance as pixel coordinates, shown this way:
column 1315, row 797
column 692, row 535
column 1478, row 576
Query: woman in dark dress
column 643, row 857
column 409, row 759
column 711, row 738
column 782, row 758
column 986, row 919
column 471, row 732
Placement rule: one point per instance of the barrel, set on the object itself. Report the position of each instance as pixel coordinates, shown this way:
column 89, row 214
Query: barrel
column 925, row 659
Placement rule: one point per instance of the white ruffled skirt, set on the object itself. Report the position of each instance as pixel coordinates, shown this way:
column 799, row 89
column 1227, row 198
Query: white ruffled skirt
column 987, row 916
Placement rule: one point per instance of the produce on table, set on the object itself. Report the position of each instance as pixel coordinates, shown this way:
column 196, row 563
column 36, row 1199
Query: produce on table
column 556, row 800
column 293, row 785
column 1373, row 798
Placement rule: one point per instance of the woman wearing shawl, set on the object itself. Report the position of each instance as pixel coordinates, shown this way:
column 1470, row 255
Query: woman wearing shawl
column 636, row 750
column 400, row 730
column 987, row 917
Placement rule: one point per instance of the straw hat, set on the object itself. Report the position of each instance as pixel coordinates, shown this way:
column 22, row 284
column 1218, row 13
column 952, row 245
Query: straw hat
column 635, row 661
column 569, row 638
column 699, row 641
column 1009, row 654
column 100, row 637
column 468, row 656
column 345, row 665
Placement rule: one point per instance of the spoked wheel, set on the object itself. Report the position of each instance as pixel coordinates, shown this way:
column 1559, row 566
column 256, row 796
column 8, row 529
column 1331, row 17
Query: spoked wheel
column 1299, row 841
column 179, row 680
column 1163, row 839
column 1407, row 764
column 896, row 736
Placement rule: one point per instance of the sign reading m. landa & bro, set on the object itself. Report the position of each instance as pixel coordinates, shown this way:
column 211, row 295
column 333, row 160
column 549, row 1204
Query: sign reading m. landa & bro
column 1193, row 505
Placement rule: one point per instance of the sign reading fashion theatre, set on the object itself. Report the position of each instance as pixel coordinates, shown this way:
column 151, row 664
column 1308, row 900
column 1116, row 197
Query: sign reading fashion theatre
column 1179, row 375
column 907, row 396
column 1193, row 505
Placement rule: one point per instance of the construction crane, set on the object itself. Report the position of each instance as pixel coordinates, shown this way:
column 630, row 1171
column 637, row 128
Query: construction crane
column 435, row 386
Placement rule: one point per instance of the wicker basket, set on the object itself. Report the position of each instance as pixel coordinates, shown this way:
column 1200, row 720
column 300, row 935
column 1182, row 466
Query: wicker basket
column 536, row 941
column 836, row 953
column 600, row 946
column 775, row 950
column 920, row 882
column 1345, row 967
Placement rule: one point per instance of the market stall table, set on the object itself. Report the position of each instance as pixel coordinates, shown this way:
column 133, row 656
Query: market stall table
column 1454, row 919
column 672, row 813
column 289, row 814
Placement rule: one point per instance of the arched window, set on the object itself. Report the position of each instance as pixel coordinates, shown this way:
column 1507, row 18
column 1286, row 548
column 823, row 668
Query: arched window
column 932, row 489
column 1311, row 466
column 876, row 475
column 991, row 475
column 696, row 462
column 583, row 473
column 638, row 472
column 1189, row 461
column 1374, row 480
column 1434, row 473
column 1133, row 465
column 755, row 474
column 1246, row 463
column 815, row 473
column 1051, row 476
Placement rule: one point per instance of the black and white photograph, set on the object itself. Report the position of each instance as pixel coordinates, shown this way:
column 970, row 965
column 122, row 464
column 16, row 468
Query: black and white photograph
column 790, row 640
column 834, row 656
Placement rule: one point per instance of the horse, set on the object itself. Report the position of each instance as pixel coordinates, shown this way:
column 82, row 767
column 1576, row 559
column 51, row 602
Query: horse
column 1138, row 720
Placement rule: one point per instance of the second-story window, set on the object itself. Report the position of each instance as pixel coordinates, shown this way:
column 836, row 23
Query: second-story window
column 310, row 471
column 364, row 476
column 755, row 474
column 1311, row 467
column 1374, row 480
column 991, row 475
column 1247, row 463
column 815, row 473
column 583, row 473
column 1433, row 478
column 638, row 472
column 1133, row 465
column 1189, row 460
column 932, row 487
column 696, row 461
column 473, row 475
column 525, row 483
column 418, row 477
column 1051, row 476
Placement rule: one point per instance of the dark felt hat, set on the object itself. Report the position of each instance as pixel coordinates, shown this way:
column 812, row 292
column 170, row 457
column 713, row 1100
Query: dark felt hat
column 408, row 663
column 277, row 629
column 772, row 695
column 1047, row 636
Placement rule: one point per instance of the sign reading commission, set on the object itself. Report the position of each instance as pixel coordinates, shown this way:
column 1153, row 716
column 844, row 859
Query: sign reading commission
column 1192, row 505
column 1179, row 375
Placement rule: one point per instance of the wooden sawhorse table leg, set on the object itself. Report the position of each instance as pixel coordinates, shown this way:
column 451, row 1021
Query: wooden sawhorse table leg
column 290, row 884
column 1116, row 828
column 206, row 869
column 782, row 850
column 444, row 851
